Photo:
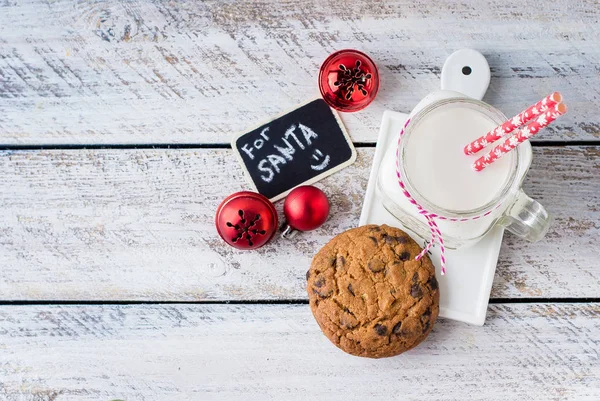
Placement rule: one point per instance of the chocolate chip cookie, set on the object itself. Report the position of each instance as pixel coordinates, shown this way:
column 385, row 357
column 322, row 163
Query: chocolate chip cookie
column 369, row 295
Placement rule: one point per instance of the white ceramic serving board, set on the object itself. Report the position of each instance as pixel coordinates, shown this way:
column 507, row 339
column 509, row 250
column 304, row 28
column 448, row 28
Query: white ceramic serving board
column 465, row 289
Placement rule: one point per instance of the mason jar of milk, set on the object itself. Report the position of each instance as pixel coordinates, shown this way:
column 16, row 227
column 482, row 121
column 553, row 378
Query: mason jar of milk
column 439, row 176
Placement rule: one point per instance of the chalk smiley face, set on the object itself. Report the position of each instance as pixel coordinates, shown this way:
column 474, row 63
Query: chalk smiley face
column 318, row 155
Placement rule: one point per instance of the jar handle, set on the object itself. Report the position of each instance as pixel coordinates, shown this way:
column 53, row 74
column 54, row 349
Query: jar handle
column 526, row 218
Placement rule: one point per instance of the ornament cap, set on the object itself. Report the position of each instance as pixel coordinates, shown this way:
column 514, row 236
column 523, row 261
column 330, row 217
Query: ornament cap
column 288, row 232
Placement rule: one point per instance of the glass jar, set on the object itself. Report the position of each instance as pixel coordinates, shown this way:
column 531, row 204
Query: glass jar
column 510, row 207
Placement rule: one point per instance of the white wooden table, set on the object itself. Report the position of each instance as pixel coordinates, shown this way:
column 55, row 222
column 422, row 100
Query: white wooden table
column 114, row 122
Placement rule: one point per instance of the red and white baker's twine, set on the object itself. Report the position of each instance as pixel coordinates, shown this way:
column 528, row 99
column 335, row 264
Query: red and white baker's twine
column 431, row 217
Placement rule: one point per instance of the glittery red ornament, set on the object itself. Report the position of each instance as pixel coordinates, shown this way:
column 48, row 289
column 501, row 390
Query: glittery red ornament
column 305, row 209
column 246, row 220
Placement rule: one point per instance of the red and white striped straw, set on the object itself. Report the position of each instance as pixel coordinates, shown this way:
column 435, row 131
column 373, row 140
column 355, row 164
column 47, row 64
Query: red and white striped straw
column 509, row 126
column 521, row 136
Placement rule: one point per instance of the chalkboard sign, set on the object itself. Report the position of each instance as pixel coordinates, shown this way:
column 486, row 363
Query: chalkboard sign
column 301, row 146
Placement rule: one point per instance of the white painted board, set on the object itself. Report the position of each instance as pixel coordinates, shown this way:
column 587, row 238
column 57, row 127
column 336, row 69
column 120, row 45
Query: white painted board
column 118, row 71
column 545, row 352
column 133, row 224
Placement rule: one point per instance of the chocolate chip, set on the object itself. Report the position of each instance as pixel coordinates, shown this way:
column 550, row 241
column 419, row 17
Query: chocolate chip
column 320, row 282
column 307, row 275
column 375, row 228
column 332, row 261
column 376, row 265
column 340, row 262
column 391, row 240
column 426, row 327
column 433, row 284
column 373, row 239
column 397, row 328
column 415, row 291
column 404, row 256
column 415, row 277
column 351, row 290
column 380, row 329
column 426, row 314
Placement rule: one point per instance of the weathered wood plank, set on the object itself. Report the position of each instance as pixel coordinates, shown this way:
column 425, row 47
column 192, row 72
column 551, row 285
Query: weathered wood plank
column 219, row 352
column 139, row 224
column 165, row 72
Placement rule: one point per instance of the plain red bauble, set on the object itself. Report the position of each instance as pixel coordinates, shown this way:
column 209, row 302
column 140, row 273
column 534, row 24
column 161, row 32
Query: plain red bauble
column 246, row 220
column 306, row 208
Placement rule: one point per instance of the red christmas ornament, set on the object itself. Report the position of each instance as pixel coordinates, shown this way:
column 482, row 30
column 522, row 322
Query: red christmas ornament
column 305, row 209
column 348, row 80
column 246, row 220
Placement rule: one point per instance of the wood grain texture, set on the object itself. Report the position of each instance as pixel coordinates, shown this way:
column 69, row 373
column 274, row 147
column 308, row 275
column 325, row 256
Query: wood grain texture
column 139, row 225
column 264, row 352
column 121, row 71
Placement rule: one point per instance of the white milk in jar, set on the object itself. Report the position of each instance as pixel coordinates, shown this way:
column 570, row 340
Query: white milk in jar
column 437, row 168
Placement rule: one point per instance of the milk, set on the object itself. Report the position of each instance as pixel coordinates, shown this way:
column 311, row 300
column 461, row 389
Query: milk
column 437, row 167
